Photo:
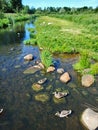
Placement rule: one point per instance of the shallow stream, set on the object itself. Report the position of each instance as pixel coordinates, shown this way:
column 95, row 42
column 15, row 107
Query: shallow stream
column 21, row 111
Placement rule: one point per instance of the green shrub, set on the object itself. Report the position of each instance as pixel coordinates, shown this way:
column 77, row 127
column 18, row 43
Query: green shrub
column 46, row 58
column 94, row 69
column 84, row 61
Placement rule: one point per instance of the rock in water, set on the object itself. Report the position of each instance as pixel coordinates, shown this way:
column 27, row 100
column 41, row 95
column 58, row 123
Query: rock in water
column 90, row 119
column 28, row 57
column 60, row 70
column 32, row 69
column 87, row 80
column 65, row 77
column 51, row 69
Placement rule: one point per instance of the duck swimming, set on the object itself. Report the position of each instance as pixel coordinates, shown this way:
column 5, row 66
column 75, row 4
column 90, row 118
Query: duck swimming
column 59, row 95
column 63, row 113
column 42, row 81
column 1, row 110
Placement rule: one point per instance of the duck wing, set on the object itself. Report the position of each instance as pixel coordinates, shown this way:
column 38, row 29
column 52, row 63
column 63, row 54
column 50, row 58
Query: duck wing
column 66, row 112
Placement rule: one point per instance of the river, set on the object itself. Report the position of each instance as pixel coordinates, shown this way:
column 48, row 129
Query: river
column 21, row 111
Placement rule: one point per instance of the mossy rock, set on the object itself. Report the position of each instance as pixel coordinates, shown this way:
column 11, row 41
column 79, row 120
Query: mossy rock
column 58, row 89
column 57, row 101
column 37, row 87
column 32, row 70
column 84, row 93
column 49, row 87
column 42, row 97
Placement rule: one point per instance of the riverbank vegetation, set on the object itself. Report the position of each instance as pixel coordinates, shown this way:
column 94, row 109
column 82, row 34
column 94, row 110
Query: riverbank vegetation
column 58, row 30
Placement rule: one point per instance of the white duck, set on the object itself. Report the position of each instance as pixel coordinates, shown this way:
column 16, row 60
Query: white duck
column 63, row 113
column 1, row 110
column 59, row 95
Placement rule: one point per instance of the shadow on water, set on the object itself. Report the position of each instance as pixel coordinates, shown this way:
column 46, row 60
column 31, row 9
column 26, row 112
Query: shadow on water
column 17, row 98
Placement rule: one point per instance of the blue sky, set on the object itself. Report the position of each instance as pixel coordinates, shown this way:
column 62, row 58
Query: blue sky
column 60, row 3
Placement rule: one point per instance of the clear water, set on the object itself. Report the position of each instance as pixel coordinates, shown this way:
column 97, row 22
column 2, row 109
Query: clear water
column 17, row 98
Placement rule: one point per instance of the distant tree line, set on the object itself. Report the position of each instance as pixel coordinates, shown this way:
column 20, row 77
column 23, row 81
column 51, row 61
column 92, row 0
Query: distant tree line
column 12, row 6
column 67, row 10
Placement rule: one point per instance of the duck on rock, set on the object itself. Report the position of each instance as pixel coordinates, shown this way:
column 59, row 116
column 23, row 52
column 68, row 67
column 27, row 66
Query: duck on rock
column 59, row 95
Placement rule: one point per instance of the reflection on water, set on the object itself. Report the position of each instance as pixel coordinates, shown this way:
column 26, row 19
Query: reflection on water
column 17, row 98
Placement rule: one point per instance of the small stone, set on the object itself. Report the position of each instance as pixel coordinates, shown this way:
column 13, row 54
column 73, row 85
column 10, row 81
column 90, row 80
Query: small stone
column 60, row 70
column 41, row 65
column 28, row 57
column 51, row 69
column 17, row 66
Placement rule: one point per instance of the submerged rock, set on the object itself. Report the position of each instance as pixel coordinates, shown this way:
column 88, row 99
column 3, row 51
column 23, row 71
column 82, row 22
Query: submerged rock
column 49, row 87
column 65, row 77
column 89, row 119
column 42, row 97
column 87, row 80
column 32, row 69
column 28, row 57
column 37, row 87
column 60, row 70
column 57, row 101
column 17, row 66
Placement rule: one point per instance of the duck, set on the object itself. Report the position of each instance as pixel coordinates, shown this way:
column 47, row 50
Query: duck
column 59, row 95
column 63, row 113
column 1, row 110
column 42, row 81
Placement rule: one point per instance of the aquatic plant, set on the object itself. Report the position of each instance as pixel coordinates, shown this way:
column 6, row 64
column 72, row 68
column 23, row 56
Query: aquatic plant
column 42, row 97
column 84, row 61
column 46, row 58
column 94, row 69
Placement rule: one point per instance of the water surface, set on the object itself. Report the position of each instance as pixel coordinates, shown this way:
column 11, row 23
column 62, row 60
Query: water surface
column 17, row 98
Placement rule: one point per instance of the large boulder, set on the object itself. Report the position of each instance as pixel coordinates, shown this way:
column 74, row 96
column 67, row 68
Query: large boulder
column 28, row 57
column 51, row 69
column 65, row 77
column 89, row 119
column 87, row 80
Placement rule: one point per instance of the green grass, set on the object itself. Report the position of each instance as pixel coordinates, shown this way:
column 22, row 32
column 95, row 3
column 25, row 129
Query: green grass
column 46, row 58
column 60, row 35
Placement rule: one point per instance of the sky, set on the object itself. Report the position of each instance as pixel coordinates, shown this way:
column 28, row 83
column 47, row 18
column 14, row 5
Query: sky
column 60, row 3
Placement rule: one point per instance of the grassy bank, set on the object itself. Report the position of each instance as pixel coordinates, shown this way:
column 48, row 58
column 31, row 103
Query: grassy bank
column 61, row 36
column 12, row 18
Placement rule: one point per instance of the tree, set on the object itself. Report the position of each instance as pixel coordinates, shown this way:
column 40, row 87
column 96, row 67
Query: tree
column 16, row 5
